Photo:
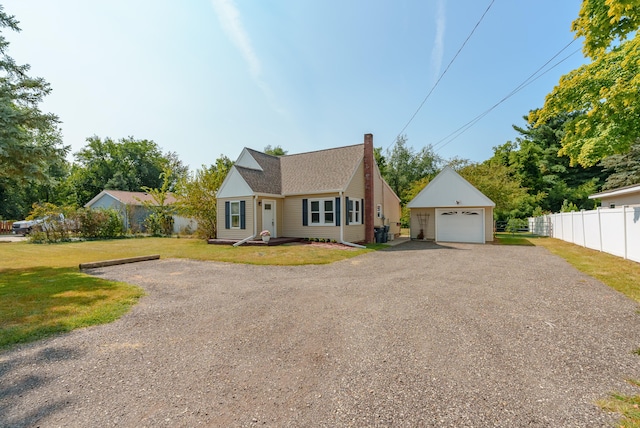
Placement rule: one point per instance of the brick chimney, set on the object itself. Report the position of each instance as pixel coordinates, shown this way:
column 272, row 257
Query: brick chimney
column 369, row 208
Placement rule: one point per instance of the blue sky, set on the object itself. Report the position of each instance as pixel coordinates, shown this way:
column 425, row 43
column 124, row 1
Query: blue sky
column 208, row 77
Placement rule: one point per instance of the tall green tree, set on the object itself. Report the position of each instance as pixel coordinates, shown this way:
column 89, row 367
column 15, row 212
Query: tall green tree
column 404, row 166
column 533, row 159
column 127, row 164
column 623, row 170
column 30, row 143
column 198, row 195
column 604, row 94
column 381, row 161
column 497, row 183
column 275, row 151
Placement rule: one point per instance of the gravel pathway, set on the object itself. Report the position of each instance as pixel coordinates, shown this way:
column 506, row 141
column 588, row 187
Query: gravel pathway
column 418, row 335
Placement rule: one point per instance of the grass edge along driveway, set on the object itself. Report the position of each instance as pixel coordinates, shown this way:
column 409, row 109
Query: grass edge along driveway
column 621, row 275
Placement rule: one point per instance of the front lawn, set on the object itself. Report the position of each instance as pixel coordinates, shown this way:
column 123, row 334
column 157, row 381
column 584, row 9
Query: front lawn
column 40, row 302
column 43, row 293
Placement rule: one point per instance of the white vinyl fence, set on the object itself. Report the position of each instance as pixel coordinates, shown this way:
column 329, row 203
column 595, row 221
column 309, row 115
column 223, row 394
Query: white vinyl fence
column 612, row 230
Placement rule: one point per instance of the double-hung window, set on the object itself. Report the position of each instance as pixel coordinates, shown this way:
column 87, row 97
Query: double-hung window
column 234, row 207
column 355, row 211
column 321, row 212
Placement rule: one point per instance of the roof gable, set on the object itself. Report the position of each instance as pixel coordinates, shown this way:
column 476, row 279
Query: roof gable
column 234, row 185
column 129, row 198
column 247, row 160
column 450, row 189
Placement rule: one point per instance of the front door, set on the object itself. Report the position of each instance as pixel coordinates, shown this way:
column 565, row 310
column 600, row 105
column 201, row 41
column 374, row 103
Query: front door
column 269, row 216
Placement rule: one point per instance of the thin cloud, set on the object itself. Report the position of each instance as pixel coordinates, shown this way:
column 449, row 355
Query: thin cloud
column 438, row 46
column 229, row 18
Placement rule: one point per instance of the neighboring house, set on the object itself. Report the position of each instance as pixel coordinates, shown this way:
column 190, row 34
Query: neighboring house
column 334, row 194
column 131, row 207
column 450, row 209
column 627, row 195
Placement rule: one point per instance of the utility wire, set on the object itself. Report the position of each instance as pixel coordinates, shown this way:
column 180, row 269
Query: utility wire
column 443, row 73
column 529, row 80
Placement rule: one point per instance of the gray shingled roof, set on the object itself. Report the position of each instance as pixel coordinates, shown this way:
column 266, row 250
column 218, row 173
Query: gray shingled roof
column 132, row 198
column 312, row 172
column 266, row 181
column 324, row 170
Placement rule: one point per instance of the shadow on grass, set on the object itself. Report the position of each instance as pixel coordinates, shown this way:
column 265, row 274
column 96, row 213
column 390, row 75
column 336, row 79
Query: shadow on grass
column 41, row 302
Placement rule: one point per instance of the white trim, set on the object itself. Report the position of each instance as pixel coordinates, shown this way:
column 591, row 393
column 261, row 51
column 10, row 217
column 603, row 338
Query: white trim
column 231, row 215
column 234, row 186
column 440, row 211
column 323, row 192
column 321, row 212
column 606, row 194
column 359, row 212
column 272, row 202
column 246, row 160
column 450, row 189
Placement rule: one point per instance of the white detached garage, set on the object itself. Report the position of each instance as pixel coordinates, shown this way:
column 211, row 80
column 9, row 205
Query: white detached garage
column 450, row 209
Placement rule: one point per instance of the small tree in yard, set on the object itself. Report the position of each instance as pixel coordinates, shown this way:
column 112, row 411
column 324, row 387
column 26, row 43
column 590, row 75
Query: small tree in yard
column 56, row 225
column 160, row 221
column 198, row 196
column 515, row 224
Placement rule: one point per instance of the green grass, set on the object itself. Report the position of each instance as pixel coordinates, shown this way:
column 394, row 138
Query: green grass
column 503, row 238
column 620, row 274
column 40, row 302
column 42, row 292
column 25, row 255
column 627, row 405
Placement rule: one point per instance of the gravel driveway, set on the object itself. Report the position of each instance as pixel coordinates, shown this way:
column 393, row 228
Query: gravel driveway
column 418, row 335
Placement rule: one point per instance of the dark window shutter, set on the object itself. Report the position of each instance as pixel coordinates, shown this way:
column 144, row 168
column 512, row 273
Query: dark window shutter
column 337, row 211
column 362, row 212
column 346, row 211
column 227, row 215
column 243, row 219
column 305, row 212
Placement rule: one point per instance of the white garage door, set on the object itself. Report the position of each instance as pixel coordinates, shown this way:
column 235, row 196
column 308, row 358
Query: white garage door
column 460, row 225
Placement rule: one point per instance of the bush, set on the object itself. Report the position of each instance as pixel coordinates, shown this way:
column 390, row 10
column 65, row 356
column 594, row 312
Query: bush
column 100, row 223
column 515, row 224
column 159, row 224
column 56, row 223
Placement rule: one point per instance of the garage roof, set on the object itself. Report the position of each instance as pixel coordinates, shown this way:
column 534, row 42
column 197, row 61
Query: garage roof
column 449, row 189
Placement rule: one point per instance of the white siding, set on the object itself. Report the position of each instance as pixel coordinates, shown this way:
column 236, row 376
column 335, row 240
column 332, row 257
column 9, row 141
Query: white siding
column 620, row 200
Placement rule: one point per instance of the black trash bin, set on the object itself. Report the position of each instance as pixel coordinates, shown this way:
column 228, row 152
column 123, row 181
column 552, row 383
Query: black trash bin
column 385, row 233
column 377, row 231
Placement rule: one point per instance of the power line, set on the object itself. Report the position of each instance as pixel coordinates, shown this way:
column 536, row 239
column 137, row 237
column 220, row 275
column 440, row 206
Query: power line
column 443, row 73
column 529, row 80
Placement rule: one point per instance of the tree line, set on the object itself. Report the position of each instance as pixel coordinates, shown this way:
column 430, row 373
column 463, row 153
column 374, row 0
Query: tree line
column 585, row 138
